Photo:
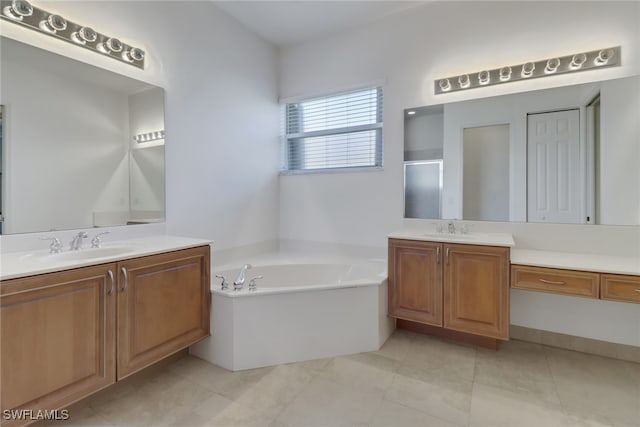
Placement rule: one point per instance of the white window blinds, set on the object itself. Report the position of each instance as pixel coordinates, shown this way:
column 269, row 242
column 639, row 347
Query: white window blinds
column 337, row 131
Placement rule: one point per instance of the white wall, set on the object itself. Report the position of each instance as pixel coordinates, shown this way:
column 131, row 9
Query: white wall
column 222, row 117
column 408, row 51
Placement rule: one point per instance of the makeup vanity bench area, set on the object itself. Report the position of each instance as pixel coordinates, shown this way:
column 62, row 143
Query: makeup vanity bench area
column 457, row 286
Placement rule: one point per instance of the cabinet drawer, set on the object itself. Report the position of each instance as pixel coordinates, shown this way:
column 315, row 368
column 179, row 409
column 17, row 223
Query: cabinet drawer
column 556, row 281
column 620, row 288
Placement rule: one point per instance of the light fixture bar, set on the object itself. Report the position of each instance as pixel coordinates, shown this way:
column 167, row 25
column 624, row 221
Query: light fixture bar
column 149, row 136
column 595, row 59
column 21, row 12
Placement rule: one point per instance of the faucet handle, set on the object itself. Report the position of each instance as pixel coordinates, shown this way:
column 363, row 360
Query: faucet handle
column 56, row 245
column 224, row 285
column 252, row 283
column 95, row 242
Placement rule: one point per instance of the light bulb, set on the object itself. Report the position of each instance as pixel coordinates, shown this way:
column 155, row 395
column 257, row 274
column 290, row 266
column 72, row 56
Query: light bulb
column 484, row 77
column 445, row 85
column 527, row 69
column 134, row 54
column 552, row 65
column 464, row 81
column 604, row 56
column 85, row 35
column 18, row 9
column 411, row 113
column 505, row 73
column 53, row 24
column 577, row 60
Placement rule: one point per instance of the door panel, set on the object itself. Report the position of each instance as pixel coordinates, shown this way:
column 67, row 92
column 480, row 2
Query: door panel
column 58, row 341
column 415, row 281
column 476, row 290
column 554, row 189
column 163, row 306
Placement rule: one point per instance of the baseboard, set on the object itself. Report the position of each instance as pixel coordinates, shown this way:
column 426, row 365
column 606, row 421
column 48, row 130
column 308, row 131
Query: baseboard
column 629, row 353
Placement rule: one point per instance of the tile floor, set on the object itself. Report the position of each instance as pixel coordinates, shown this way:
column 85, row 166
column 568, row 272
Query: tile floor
column 412, row 381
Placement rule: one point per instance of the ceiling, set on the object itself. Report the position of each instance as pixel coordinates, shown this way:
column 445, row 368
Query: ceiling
column 289, row 22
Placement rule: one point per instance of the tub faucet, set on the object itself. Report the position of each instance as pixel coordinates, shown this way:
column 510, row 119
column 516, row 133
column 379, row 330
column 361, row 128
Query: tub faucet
column 239, row 282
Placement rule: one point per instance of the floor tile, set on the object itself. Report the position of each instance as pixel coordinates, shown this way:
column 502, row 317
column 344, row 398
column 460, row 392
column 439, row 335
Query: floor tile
column 229, row 384
column 397, row 346
column 326, row 403
column 430, row 353
column 269, row 396
column 366, row 371
column 441, row 395
column 390, row 414
column 590, row 384
column 519, row 367
column 496, row 407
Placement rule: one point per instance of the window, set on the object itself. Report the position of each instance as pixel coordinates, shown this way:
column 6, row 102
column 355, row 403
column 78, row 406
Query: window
column 334, row 132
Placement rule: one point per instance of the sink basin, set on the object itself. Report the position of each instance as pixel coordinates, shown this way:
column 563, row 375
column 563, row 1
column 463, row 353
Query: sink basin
column 88, row 254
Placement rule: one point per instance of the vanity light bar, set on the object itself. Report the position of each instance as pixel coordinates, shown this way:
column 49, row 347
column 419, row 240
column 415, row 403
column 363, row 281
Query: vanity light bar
column 149, row 136
column 21, row 12
column 583, row 61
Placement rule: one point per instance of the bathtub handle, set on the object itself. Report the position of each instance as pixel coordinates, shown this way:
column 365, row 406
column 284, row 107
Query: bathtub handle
column 224, row 285
column 438, row 255
column 252, row 282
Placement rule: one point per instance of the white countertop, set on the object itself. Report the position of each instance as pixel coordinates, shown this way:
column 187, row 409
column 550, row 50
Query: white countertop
column 472, row 238
column 20, row 264
column 577, row 261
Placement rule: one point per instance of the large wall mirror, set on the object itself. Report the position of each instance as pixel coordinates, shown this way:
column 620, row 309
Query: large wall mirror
column 562, row 155
column 81, row 146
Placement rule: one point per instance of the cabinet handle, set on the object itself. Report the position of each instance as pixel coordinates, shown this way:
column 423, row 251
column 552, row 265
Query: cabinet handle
column 552, row 282
column 438, row 255
column 637, row 290
column 113, row 281
column 126, row 278
column 446, row 255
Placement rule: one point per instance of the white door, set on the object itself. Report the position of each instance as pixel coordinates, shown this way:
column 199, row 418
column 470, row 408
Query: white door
column 554, row 189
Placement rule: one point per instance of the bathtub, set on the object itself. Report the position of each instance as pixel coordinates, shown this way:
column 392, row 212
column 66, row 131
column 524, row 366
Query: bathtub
column 301, row 310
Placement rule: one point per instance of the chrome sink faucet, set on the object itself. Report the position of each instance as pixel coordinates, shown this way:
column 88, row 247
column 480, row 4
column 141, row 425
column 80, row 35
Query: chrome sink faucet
column 452, row 227
column 239, row 282
column 96, row 242
column 76, row 243
column 55, row 247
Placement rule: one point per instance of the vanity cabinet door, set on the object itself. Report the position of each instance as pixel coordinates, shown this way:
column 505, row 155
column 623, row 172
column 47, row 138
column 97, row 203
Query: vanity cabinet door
column 163, row 306
column 58, row 342
column 415, row 281
column 476, row 290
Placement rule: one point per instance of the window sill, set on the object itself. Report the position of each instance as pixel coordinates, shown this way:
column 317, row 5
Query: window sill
column 332, row 170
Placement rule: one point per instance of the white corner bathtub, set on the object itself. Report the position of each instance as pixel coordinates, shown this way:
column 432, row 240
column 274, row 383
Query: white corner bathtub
column 301, row 310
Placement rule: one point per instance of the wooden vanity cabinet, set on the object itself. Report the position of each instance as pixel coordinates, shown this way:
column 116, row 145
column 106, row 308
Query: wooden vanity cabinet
column 58, row 338
column 463, row 288
column 60, row 341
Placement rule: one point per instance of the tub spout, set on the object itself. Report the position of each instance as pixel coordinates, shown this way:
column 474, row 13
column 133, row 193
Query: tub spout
column 239, row 282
